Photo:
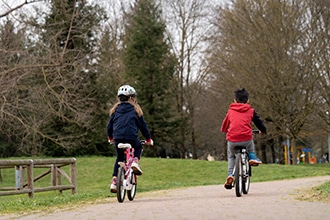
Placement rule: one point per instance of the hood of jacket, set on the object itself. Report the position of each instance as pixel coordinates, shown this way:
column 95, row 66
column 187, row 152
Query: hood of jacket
column 124, row 107
column 240, row 107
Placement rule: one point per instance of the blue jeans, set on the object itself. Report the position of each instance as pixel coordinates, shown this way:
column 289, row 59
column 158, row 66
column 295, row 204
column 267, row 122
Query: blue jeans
column 231, row 152
column 120, row 155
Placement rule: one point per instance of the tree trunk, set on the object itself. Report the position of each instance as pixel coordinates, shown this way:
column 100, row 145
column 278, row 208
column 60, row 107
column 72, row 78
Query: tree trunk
column 193, row 144
column 294, row 151
column 263, row 152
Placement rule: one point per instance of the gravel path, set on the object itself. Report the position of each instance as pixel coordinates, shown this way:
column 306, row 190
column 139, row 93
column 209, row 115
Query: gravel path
column 266, row 200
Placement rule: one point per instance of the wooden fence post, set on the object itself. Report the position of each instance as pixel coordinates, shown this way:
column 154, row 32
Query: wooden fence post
column 73, row 176
column 30, row 180
column 21, row 180
column 53, row 174
column 17, row 177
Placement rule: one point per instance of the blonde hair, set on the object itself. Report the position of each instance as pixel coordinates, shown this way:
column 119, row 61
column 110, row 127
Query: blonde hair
column 133, row 102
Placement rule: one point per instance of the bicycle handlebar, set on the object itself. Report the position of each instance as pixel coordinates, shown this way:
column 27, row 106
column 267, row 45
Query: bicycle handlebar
column 141, row 141
column 125, row 145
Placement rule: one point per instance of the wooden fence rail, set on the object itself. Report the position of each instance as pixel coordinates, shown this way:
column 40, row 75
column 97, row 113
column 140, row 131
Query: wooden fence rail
column 54, row 169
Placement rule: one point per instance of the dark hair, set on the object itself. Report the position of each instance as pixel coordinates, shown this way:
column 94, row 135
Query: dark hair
column 241, row 95
column 123, row 98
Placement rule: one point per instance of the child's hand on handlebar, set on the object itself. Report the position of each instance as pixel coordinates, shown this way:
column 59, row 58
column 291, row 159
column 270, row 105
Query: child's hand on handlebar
column 258, row 132
column 111, row 140
column 149, row 142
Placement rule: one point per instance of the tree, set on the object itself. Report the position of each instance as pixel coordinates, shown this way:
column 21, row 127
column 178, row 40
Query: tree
column 320, row 24
column 265, row 47
column 72, row 85
column 55, row 103
column 149, row 67
column 110, row 67
column 13, row 98
column 110, row 64
column 188, row 22
column 9, row 10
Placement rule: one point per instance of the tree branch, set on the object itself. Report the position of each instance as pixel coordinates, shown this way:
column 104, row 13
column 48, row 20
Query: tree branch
column 17, row 7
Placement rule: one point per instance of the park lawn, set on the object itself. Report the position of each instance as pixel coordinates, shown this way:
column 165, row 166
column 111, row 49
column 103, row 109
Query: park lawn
column 94, row 174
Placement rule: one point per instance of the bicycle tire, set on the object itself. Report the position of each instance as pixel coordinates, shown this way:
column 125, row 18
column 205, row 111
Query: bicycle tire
column 120, row 185
column 132, row 192
column 246, row 178
column 238, row 175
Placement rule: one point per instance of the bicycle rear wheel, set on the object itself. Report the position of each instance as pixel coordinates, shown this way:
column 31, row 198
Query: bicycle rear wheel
column 238, row 175
column 131, row 193
column 120, row 184
column 246, row 176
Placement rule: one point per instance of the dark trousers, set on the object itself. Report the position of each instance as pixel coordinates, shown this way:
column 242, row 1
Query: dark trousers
column 120, row 155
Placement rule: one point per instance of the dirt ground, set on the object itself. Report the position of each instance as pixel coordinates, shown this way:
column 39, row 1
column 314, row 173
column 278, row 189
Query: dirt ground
column 266, row 200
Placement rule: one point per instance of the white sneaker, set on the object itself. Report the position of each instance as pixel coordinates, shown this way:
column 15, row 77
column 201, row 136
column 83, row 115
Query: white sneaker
column 136, row 168
column 113, row 186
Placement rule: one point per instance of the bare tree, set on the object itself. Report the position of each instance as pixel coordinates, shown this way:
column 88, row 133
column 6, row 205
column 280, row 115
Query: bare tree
column 187, row 23
column 49, row 97
column 15, row 102
column 320, row 24
column 265, row 47
column 111, row 67
column 8, row 9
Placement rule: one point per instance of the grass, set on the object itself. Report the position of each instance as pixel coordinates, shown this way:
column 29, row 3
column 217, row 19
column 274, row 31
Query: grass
column 94, row 174
column 319, row 193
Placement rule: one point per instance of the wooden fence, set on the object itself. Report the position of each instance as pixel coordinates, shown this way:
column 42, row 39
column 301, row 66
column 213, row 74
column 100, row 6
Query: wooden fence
column 54, row 170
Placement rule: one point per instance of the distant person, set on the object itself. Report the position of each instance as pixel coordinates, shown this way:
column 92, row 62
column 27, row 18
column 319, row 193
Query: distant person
column 126, row 119
column 238, row 129
column 326, row 158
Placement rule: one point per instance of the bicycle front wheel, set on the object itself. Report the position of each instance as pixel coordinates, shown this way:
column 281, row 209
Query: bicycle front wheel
column 238, row 175
column 120, row 184
column 246, row 176
column 131, row 193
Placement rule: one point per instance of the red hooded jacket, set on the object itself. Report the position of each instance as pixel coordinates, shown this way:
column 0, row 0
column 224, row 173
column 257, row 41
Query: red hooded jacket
column 237, row 123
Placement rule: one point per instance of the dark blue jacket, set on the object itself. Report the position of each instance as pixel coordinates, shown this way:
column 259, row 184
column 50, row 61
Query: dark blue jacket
column 124, row 123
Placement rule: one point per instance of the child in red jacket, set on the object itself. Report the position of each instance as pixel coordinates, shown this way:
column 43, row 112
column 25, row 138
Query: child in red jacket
column 238, row 129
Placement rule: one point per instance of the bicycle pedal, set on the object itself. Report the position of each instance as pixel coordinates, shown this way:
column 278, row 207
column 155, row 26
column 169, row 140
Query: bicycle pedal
column 254, row 164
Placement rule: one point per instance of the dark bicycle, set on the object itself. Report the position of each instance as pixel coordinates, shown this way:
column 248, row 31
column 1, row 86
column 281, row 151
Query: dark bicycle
column 242, row 170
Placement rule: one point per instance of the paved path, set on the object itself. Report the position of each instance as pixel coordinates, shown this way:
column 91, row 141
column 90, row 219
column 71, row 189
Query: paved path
column 267, row 200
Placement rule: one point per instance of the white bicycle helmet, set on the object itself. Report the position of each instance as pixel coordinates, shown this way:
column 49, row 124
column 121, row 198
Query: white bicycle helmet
column 126, row 90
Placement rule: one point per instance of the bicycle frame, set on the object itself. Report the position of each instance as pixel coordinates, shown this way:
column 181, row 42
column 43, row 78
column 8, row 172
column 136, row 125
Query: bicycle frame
column 241, row 171
column 126, row 179
column 129, row 154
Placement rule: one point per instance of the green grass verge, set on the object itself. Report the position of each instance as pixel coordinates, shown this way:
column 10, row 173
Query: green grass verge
column 319, row 193
column 94, row 174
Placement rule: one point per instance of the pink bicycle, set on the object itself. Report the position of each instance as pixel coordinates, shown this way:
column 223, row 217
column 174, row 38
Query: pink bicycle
column 126, row 179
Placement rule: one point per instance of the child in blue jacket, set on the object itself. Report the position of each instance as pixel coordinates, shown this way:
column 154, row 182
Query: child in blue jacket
column 126, row 119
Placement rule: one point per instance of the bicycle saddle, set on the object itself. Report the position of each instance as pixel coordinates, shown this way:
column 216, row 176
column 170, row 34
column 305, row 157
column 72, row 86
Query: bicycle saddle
column 124, row 146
